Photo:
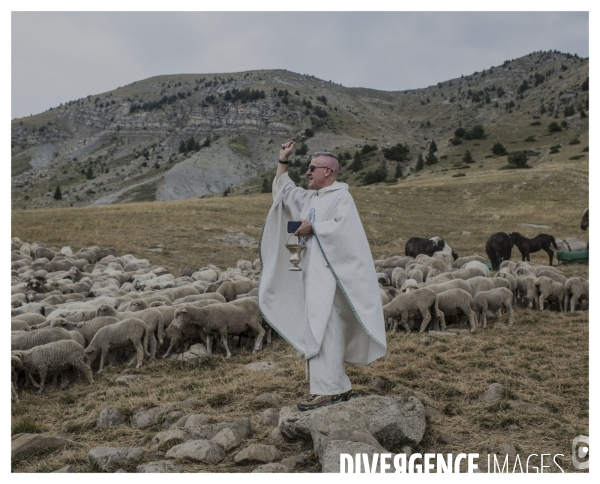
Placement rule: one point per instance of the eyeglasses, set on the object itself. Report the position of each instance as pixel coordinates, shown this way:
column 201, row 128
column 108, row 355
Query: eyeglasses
column 312, row 168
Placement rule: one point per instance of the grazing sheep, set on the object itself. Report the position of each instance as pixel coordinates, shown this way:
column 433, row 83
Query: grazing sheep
column 199, row 297
column 186, row 332
column 508, row 265
column 547, row 289
column 453, row 284
column 461, row 261
column 18, row 325
column 552, row 275
column 382, row 278
column 480, row 284
column 416, row 275
column 230, row 289
column 577, row 289
column 35, row 308
column 456, row 302
column 413, row 303
column 30, row 318
column 478, row 265
column 89, row 329
column 409, row 285
column 55, row 356
column 512, row 281
column 122, row 334
column 434, row 262
column 30, row 339
column 432, row 273
column 152, row 317
column 398, row 277
column 500, row 282
column 396, row 261
column 468, row 273
column 252, row 293
column 494, row 300
column 207, row 275
column 179, row 292
column 526, row 290
column 223, row 319
column 73, row 315
column 384, row 296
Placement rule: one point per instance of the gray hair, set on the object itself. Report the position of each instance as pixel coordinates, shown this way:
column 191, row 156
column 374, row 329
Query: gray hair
column 324, row 153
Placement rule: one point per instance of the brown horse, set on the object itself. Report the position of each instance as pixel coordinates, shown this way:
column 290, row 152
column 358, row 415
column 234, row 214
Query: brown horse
column 527, row 246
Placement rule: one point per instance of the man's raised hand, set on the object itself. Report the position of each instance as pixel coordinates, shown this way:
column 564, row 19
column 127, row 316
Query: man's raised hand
column 286, row 150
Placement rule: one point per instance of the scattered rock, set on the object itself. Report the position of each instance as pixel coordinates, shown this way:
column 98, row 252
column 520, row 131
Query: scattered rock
column 198, row 451
column 172, row 417
column 493, row 393
column 507, row 449
column 432, row 412
column 467, row 338
column 426, row 340
column 464, row 232
column 25, row 444
column 110, row 417
column 241, row 427
column 495, row 216
column 111, row 392
column 195, row 355
column 276, row 435
column 294, row 461
column 570, row 244
column 458, row 330
column 512, row 427
column 257, row 453
column 444, row 439
column 271, row 467
column 158, row 466
column 110, row 458
column 267, row 399
column 378, row 383
column 167, row 439
column 376, row 214
column 262, row 366
column 66, row 469
column 500, row 326
column 146, row 417
column 227, row 439
column 130, row 380
column 349, row 436
column 194, row 420
column 269, row 417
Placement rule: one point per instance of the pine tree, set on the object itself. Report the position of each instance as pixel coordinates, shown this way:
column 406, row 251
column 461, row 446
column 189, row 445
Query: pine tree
column 357, row 163
column 398, row 172
column 420, row 163
column 266, row 187
column 191, row 144
column 468, row 158
column 433, row 147
column 182, row 147
column 89, row 174
column 57, row 194
column 431, row 159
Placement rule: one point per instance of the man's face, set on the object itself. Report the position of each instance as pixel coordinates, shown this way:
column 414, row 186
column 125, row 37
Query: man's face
column 321, row 176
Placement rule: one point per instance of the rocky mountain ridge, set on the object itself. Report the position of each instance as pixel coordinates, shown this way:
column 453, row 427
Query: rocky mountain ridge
column 188, row 136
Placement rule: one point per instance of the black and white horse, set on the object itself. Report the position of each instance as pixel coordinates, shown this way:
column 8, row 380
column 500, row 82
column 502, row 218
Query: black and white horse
column 422, row 245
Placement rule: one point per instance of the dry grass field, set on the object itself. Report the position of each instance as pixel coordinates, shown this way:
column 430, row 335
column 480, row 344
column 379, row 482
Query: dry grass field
column 542, row 361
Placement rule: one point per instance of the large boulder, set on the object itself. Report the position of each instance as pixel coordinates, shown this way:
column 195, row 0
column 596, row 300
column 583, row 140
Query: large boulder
column 24, row 444
column 167, row 439
column 110, row 417
column 227, row 439
column 241, row 427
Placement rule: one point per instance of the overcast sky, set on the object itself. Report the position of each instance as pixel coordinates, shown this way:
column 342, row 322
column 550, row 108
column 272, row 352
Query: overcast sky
column 58, row 57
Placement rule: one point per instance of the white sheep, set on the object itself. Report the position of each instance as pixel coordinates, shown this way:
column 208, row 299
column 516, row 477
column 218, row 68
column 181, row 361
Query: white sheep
column 447, row 285
column 461, row 261
column 481, row 283
column 456, row 302
column 411, row 303
column 122, row 334
column 55, row 356
column 18, row 325
column 526, row 289
column 494, row 300
column 230, row 289
column 577, row 289
column 398, row 277
column 409, row 285
column 547, row 289
column 27, row 340
column 477, row 265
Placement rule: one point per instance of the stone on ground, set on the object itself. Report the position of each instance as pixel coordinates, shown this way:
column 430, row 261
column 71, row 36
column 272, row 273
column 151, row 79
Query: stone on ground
column 110, row 417
column 227, row 439
column 111, row 458
column 159, row 466
column 493, row 393
column 198, row 451
column 167, row 439
column 271, row 467
column 25, row 444
column 257, row 453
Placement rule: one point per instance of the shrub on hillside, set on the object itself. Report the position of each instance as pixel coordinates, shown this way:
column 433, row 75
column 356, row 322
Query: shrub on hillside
column 498, row 149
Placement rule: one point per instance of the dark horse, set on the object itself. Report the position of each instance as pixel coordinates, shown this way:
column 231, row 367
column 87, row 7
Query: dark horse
column 498, row 248
column 527, row 246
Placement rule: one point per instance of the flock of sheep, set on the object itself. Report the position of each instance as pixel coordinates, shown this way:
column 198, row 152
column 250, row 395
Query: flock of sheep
column 434, row 288
column 69, row 308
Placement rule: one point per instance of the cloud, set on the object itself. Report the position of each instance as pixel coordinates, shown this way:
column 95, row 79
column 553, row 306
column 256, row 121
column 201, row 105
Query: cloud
column 61, row 56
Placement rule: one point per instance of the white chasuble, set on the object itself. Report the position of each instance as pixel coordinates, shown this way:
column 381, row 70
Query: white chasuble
column 298, row 305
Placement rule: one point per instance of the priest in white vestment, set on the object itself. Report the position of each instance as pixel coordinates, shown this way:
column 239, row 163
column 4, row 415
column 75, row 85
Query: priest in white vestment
column 331, row 311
